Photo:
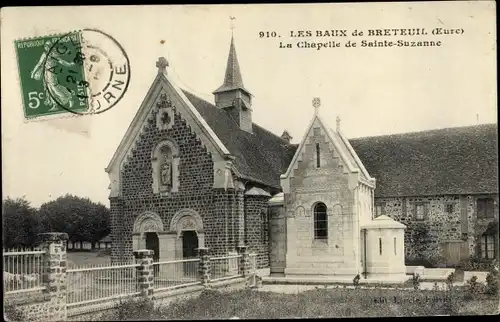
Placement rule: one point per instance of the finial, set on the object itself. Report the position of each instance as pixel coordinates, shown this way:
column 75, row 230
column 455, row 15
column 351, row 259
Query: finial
column 232, row 24
column 316, row 104
column 162, row 65
column 338, row 123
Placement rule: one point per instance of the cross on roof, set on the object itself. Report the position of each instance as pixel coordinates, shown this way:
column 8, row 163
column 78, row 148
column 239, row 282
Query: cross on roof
column 316, row 104
column 232, row 23
column 162, row 64
column 338, row 123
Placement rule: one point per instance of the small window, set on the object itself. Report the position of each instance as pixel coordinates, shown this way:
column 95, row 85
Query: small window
column 320, row 221
column 379, row 210
column 380, row 245
column 420, row 210
column 395, row 246
column 485, row 208
column 318, row 160
column 487, row 247
column 449, row 208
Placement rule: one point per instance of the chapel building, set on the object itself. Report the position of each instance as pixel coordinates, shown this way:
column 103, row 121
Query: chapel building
column 191, row 174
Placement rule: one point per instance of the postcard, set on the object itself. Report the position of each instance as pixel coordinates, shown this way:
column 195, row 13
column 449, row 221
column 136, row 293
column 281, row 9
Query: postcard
column 250, row 161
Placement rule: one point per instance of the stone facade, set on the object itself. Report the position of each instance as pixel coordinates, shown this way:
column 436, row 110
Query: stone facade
column 257, row 228
column 448, row 219
column 221, row 210
column 322, row 174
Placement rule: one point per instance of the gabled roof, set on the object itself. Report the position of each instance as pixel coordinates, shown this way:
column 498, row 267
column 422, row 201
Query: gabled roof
column 333, row 137
column 161, row 83
column 461, row 160
column 260, row 156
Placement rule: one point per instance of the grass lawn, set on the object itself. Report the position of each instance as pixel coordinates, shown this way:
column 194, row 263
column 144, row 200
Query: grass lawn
column 336, row 302
column 78, row 259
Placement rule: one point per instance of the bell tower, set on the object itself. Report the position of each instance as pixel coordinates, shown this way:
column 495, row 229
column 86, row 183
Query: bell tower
column 232, row 95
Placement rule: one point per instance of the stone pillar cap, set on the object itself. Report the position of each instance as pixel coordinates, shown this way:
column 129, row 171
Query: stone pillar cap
column 143, row 253
column 53, row 237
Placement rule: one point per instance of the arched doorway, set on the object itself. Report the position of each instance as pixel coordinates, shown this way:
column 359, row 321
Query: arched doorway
column 147, row 226
column 189, row 251
column 188, row 226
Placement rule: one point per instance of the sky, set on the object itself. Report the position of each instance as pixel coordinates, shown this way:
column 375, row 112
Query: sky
column 374, row 90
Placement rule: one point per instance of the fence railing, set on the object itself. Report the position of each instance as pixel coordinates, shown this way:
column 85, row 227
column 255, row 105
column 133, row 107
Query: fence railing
column 22, row 270
column 173, row 274
column 224, row 267
column 88, row 285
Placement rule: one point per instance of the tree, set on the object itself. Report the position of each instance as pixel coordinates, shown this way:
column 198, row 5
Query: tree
column 81, row 218
column 21, row 223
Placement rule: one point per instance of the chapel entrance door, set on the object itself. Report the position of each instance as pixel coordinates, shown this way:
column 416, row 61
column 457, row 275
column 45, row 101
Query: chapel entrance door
column 189, row 251
column 153, row 243
column 277, row 241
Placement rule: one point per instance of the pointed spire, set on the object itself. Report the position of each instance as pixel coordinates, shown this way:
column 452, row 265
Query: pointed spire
column 232, row 78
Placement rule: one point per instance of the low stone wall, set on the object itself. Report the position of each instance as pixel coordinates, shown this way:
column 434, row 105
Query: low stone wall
column 33, row 304
column 437, row 273
column 481, row 276
column 410, row 270
column 161, row 298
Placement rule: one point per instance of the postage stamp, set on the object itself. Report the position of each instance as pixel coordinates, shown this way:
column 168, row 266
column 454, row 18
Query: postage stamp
column 80, row 72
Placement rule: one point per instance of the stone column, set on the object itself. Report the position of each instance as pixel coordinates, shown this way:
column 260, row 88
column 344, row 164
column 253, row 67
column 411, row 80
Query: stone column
column 204, row 267
column 244, row 264
column 54, row 273
column 144, row 257
column 167, row 242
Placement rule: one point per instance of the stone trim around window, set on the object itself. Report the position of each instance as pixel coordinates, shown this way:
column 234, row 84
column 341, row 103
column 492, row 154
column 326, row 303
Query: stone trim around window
column 416, row 216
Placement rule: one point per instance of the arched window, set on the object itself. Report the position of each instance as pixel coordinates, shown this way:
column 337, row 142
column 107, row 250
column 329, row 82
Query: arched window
column 320, row 221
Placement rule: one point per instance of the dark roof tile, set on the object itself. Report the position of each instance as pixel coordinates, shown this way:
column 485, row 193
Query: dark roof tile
column 461, row 160
column 261, row 156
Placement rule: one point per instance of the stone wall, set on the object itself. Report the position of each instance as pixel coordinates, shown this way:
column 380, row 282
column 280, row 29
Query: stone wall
column 257, row 228
column 328, row 184
column 443, row 226
column 196, row 177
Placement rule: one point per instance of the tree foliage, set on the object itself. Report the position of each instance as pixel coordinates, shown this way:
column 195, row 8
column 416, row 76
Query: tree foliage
column 81, row 218
column 21, row 223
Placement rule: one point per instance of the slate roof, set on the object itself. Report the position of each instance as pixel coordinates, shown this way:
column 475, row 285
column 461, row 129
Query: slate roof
column 462, row 160
column 261, row 156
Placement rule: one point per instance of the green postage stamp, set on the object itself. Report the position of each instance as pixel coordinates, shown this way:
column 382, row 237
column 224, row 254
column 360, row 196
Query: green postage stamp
column 52, row 75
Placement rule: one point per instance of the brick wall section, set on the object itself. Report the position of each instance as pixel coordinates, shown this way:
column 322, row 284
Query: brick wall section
column 447, row 226
column 195, row 191
column 257, row 228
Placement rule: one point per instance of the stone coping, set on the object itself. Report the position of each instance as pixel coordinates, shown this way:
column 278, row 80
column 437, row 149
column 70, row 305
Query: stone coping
column 27, row 298
column 331, row 280
column 110, row 304
column 481, row 276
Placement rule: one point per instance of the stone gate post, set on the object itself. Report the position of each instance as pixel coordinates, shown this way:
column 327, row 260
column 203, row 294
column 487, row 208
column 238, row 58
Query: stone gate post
column 244, row 264
column 144, row 257
column 204, row 267
column 54, row 274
